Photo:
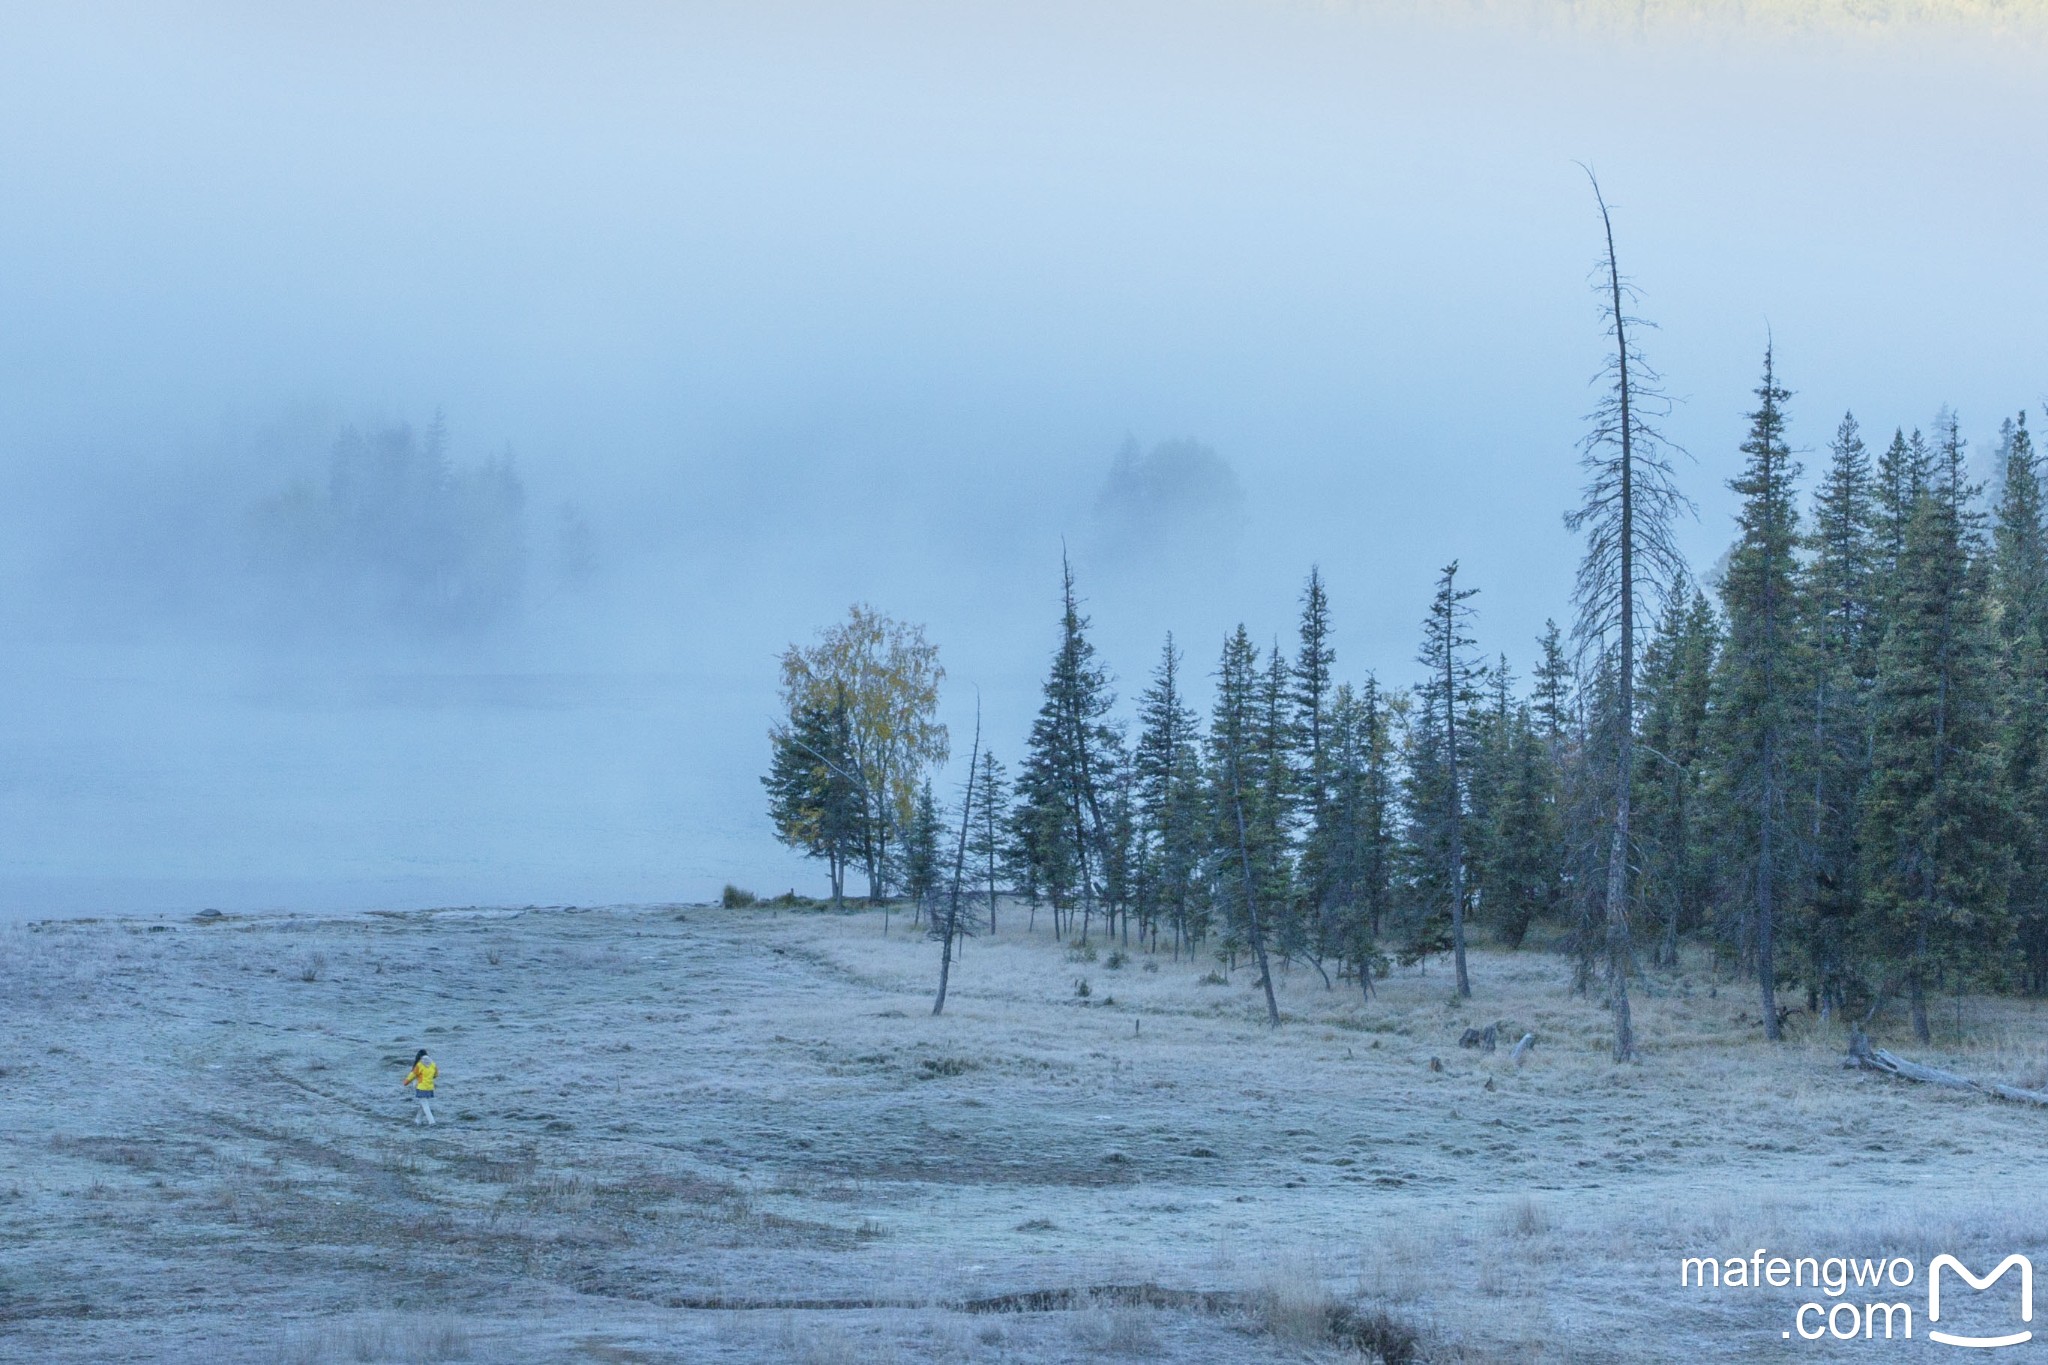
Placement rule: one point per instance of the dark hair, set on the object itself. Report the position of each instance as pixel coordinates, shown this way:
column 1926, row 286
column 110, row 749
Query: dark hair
column 417, row 1055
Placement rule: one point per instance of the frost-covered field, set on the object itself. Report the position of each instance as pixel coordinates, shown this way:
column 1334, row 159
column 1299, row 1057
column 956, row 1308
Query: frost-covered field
column 682, row 1134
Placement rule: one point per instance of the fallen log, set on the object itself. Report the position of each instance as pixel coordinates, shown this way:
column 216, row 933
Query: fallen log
column 1863, row 1055
column 1484, row 1039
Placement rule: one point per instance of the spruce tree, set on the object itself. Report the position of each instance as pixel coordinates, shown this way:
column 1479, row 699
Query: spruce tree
column 1757, row 684
column 1290, row 925
column 1247, row 858
column 1842, row 622
column 1311, row 700
column 1352, row 843
column 1443, row 750
column 1934, row 844
column 1527, row 833
column 921, row 852
column 1902, row 474
column 2019, row 583
column 1671, row 766
column 814, row 794
column 1551, row 693
column 1166, row 767
column 1074, row 754
column 987, row 834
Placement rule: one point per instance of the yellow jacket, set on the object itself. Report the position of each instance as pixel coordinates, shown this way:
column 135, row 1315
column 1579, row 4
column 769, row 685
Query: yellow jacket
column 421, row 1077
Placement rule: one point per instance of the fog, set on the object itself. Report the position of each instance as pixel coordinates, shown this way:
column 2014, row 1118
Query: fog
column 716, row 319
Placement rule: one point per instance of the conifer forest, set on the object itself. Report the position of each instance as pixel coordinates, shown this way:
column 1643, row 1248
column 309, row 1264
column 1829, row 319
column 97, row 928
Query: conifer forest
column 1824, row 758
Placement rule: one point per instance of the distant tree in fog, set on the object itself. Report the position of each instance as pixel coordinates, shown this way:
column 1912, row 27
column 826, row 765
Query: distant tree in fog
column 1179, row 502
column 575, row 547
column 401, row 537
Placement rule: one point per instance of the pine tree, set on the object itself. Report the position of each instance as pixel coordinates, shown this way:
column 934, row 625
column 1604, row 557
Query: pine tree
column 1443, row 748
column 1841, row 626
column 1245, row 854
column 1586, row 793
column 1121, row 863
column 1074, row 754
column 1934, row 843
column 987, row 835
column 1312, row 699
column 1551, row 696
column 1554, row 720
column 1354, row 842
column 921, row 851
column 1289, row 926
column 1046, row 862
column 1672, row 759
column 1902, row 473
column 814, row 795
column 1758, row 688
column 2019, row 584
column 1166, row 767
column 1526, row 871
column 1494, row 738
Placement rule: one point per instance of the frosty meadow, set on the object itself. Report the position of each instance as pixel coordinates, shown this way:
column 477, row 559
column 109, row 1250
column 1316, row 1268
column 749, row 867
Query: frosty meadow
column 693, row 1134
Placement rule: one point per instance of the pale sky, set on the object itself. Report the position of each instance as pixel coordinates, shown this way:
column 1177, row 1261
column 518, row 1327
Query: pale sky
column 805, row 303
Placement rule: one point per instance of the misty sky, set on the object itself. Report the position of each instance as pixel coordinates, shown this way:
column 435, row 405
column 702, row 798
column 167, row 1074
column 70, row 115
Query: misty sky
column 797, row 304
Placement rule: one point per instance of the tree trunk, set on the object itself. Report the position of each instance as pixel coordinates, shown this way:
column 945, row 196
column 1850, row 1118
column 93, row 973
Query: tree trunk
column 1766, row 891
column 1457, row 810
column 945, row 972
column 1916, row 980
column 1618, row 851
column 952, row 924
column 1617, row 935
column 1251, row 905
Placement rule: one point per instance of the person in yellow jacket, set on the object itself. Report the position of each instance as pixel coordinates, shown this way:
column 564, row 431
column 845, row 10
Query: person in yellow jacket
column 421, row 1081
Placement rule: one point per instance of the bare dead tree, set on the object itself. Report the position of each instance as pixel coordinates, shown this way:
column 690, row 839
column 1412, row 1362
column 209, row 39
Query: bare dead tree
column 1632, row 559
column 951, row 925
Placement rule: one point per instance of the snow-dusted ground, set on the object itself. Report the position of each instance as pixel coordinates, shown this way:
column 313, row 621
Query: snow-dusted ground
column 694, row 1134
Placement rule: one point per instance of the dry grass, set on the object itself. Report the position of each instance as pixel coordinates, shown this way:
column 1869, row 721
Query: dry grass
column 413, row 1339
column 1117, row 1330
column 656, row 1113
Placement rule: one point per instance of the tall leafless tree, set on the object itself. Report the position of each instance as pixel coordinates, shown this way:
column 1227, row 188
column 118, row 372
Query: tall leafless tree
column 951, row 924
column 1631, row 500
